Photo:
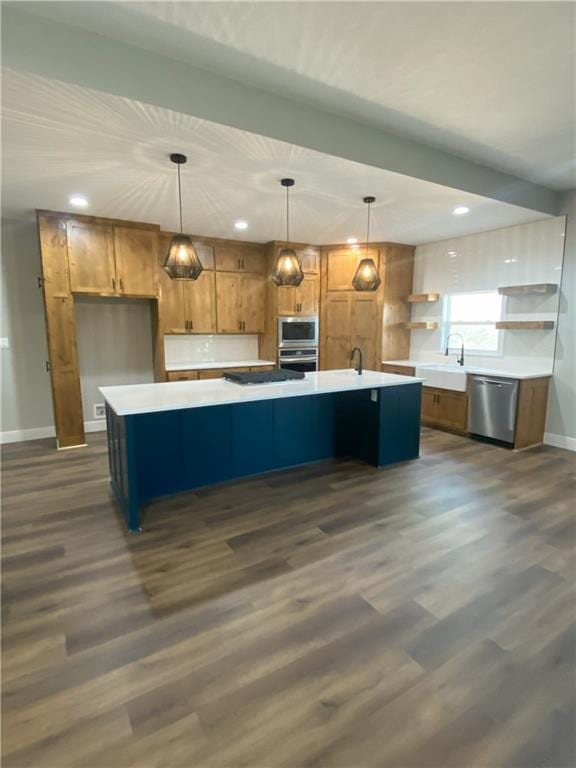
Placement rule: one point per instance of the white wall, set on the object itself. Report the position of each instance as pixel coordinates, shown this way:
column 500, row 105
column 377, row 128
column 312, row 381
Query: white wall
column 114, row 338
column 524, row 254
column 26, row 398
column 561, row 423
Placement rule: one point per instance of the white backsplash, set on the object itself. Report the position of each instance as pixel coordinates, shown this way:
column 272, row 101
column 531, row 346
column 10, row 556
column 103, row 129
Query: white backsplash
column 524, row 254
column 210, row 348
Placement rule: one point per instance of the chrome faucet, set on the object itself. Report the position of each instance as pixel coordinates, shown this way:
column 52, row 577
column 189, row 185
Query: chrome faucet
column 358, row 368
column 460, row 360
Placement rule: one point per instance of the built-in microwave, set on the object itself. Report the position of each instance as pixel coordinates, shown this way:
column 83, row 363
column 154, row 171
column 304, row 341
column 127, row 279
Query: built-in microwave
column 297, row 332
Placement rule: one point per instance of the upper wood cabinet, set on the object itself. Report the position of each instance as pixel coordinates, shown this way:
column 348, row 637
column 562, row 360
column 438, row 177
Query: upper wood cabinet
column 188, row 306
column 112, row 261
column 91, row 258
column 240, row 302
column 310, row 259
column 136, row 261
column 302, row 300
column 236, row 258
column 342, row 264
column 349, row 321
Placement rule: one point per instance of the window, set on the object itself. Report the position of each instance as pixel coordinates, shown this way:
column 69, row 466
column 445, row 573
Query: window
column 473, row 315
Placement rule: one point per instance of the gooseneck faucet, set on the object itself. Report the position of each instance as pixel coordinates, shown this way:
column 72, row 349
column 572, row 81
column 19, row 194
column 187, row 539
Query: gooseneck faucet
column 460, row 360
column 358, row 368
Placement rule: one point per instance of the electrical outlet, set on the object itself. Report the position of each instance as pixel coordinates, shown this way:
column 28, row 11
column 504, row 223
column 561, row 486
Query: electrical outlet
column 374, row 395
column 100, row 411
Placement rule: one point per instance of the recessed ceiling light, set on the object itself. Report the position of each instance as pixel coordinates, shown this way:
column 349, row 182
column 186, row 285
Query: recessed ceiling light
column 79, row 201
column 452, row 254
column 352, row 240
column 241, row 224
column 461, row 210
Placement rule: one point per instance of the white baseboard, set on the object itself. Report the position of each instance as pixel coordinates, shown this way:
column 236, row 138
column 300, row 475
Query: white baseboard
column 560, row 441
column 98, row 425
column 20, row 435
column 40, row 433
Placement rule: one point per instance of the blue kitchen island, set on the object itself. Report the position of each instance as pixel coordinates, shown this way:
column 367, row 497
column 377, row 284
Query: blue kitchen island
column 173, row 437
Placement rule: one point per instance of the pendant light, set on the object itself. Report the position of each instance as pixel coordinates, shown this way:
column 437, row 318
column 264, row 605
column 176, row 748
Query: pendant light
column 182, row 261
column 367, row 277
column 287, row 270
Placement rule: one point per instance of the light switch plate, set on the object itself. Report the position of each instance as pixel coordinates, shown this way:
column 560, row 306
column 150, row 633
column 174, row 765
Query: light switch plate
column 5, row 343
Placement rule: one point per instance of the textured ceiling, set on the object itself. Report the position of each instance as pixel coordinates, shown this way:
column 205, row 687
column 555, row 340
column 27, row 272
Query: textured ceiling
column 491, row 81
column 60, row 140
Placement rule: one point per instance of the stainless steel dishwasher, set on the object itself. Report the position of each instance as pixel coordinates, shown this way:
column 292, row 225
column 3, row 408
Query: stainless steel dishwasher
column 492, row 411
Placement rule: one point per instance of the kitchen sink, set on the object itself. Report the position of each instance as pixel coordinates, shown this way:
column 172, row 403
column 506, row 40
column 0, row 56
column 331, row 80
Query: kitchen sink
column 443, row 376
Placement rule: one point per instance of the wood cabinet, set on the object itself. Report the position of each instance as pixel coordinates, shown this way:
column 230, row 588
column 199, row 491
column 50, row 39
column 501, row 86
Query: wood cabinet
column 445, row 408
column 531, row 412
column 136, row 252
column 213, row 373
column 301, row 300
column 237, row 258
column 350, row 321
column 240, row 302
column 91, row 258
column 111, row 260
column 342, row 264
column 401, row 370
column 309, row 259
column 188, row 306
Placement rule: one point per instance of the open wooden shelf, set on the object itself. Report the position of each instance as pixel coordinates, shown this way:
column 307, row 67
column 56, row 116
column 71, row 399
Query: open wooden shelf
column 525, row 325
column 422, row 326
column 526, row 290
column 421, row 298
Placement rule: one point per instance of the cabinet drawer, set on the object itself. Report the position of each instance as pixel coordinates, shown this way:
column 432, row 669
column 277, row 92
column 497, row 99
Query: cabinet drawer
column 401, row 370
column 261, row 368
column 182, row 375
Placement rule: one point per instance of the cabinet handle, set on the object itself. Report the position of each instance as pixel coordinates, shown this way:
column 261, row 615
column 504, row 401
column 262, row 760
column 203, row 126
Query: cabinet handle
column 114, row 284
column 239, row 325
column 243, row 267
column 48, row 366
column 186, row 328
column 40, row 282
column 191, row 325
column 238, row 262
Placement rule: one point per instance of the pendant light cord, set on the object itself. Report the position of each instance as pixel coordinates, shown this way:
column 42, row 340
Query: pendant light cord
column 180, row 198
column 368, row 228
column 287, row 214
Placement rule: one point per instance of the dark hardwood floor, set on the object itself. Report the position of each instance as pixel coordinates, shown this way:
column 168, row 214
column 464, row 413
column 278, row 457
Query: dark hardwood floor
column 334, row 615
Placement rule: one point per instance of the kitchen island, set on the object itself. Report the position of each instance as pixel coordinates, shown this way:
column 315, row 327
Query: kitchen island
column 172, row 437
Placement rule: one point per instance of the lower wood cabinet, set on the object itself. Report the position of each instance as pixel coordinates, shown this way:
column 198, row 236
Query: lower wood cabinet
column 445, row 408
column 214, row 373
column 400, row 370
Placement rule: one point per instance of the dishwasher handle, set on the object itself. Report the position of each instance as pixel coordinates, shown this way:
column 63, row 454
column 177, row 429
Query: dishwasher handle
column 495, row 383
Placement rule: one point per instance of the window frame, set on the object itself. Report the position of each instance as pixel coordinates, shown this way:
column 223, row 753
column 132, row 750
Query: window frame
column 447, row 325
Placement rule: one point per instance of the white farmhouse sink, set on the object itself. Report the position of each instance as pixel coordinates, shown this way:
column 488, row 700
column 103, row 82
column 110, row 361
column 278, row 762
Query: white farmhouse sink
column 443, row 376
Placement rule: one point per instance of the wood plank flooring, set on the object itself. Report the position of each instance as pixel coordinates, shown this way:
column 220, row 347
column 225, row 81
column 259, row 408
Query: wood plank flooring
column 334, row 615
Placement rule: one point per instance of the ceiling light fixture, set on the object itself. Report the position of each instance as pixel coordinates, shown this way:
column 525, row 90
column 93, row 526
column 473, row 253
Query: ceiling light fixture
column 367, row 277
column 460, row 210
column 241, row 224
column 182, row 261
column 287, row 269
column 79, row 201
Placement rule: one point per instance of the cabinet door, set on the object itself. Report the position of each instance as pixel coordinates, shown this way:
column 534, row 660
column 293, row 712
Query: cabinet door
column 286, row 301
column 429, row 395
column 336, row 348
column 172, row 315
column 253, row 261
column 253, row 295
column 200, row 303
column 211, row 373
column 342, row 265
column 306, row 297
column 228, row 304
column 228, row 258
column 91, row 258
column 452, row 410
column 136, row 261
column 310, row 260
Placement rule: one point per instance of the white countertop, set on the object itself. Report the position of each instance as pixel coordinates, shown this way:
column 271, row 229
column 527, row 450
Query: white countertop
column 216, row 364
column 506, row 373
column 151, row 398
